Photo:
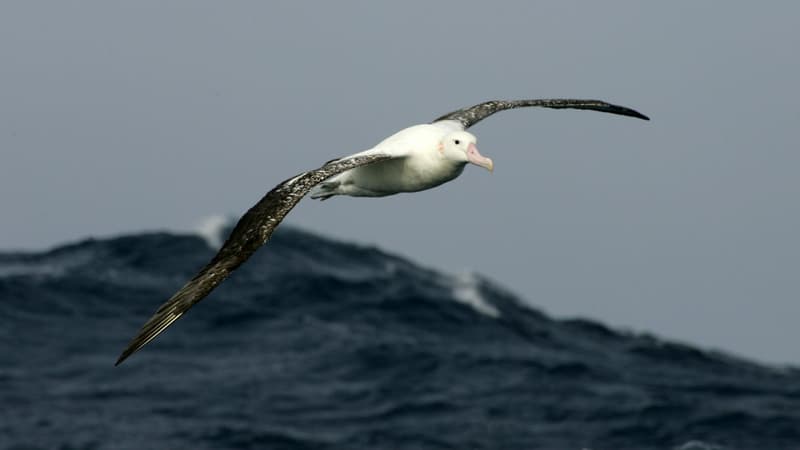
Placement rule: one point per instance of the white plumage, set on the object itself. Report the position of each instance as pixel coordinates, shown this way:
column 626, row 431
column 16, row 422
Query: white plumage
column 423, row 156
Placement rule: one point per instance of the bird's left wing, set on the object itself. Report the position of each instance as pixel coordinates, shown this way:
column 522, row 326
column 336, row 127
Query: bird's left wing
column 471, row 115
column 251, row 232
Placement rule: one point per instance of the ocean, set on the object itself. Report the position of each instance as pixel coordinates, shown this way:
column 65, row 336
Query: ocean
column 320, row 344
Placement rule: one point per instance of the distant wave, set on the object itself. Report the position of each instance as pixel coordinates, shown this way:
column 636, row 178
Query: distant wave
column 316, row 343
column 213, row 229
column 466, row 289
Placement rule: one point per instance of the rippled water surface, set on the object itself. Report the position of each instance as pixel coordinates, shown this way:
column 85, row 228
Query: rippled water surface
column 315, row 344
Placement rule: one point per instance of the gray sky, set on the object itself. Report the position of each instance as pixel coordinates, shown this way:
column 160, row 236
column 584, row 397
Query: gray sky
column 121, row 117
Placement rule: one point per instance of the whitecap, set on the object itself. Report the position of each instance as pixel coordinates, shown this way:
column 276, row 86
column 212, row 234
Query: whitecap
column 51, row 266
column 466, row 289
column 698, row 445
column 212, row 229
column 30, row 269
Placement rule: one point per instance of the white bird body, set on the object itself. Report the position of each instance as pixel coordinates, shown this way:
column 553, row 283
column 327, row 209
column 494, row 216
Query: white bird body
column 414, row 159
column 421, row 161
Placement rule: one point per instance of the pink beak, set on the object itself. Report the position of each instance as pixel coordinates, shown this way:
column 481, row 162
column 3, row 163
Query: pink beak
column 475, row 157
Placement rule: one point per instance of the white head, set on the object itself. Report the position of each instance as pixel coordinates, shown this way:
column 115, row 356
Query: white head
column 460, row 146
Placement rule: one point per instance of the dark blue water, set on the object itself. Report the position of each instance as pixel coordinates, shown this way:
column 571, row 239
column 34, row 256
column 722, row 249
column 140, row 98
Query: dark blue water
column 315, row 344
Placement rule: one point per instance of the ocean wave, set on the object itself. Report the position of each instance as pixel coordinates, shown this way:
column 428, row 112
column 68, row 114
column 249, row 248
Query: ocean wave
column 214, row 229
column 466, row 289
column 324, row 344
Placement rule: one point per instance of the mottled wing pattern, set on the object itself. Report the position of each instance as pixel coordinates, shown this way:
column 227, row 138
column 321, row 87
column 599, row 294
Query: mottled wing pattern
column 251, row 232
column 474, row 114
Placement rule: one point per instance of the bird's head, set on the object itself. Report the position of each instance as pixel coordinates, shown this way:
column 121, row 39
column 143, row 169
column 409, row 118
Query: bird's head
column 460, row 147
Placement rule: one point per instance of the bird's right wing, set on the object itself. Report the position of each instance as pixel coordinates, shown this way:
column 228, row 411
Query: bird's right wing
column 252, row 231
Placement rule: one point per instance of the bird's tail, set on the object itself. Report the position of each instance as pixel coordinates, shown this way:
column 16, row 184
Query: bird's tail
column 325, row 190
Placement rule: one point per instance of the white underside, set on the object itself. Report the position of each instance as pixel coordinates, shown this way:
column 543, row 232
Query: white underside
column 418, row 165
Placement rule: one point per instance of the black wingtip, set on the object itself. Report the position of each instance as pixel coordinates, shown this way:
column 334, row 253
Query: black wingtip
column 123, row 357
column 132, row 348
column 624, row 111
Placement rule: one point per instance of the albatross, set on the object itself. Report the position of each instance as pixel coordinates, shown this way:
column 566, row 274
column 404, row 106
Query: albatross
column 414, row 159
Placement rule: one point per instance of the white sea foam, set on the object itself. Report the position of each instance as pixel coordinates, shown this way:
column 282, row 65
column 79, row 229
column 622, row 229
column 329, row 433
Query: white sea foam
column 53, row 266
column 698, row 445
column 212, row 229
column 32, row 269
column 466, row 290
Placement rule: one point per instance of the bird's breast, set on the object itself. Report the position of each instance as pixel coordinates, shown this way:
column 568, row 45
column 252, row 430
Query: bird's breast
column 405, row 175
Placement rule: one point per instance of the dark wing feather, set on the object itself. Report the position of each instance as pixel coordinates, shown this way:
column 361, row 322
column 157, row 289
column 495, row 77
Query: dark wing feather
column 474, row 114
column 251, row 232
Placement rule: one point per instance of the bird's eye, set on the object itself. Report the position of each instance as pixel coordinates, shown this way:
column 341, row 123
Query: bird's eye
column 457, row 141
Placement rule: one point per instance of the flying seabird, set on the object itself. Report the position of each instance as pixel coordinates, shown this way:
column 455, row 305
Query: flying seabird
column 414, row 159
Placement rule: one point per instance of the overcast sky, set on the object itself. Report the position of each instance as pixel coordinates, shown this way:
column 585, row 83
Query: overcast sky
column 118, row 117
